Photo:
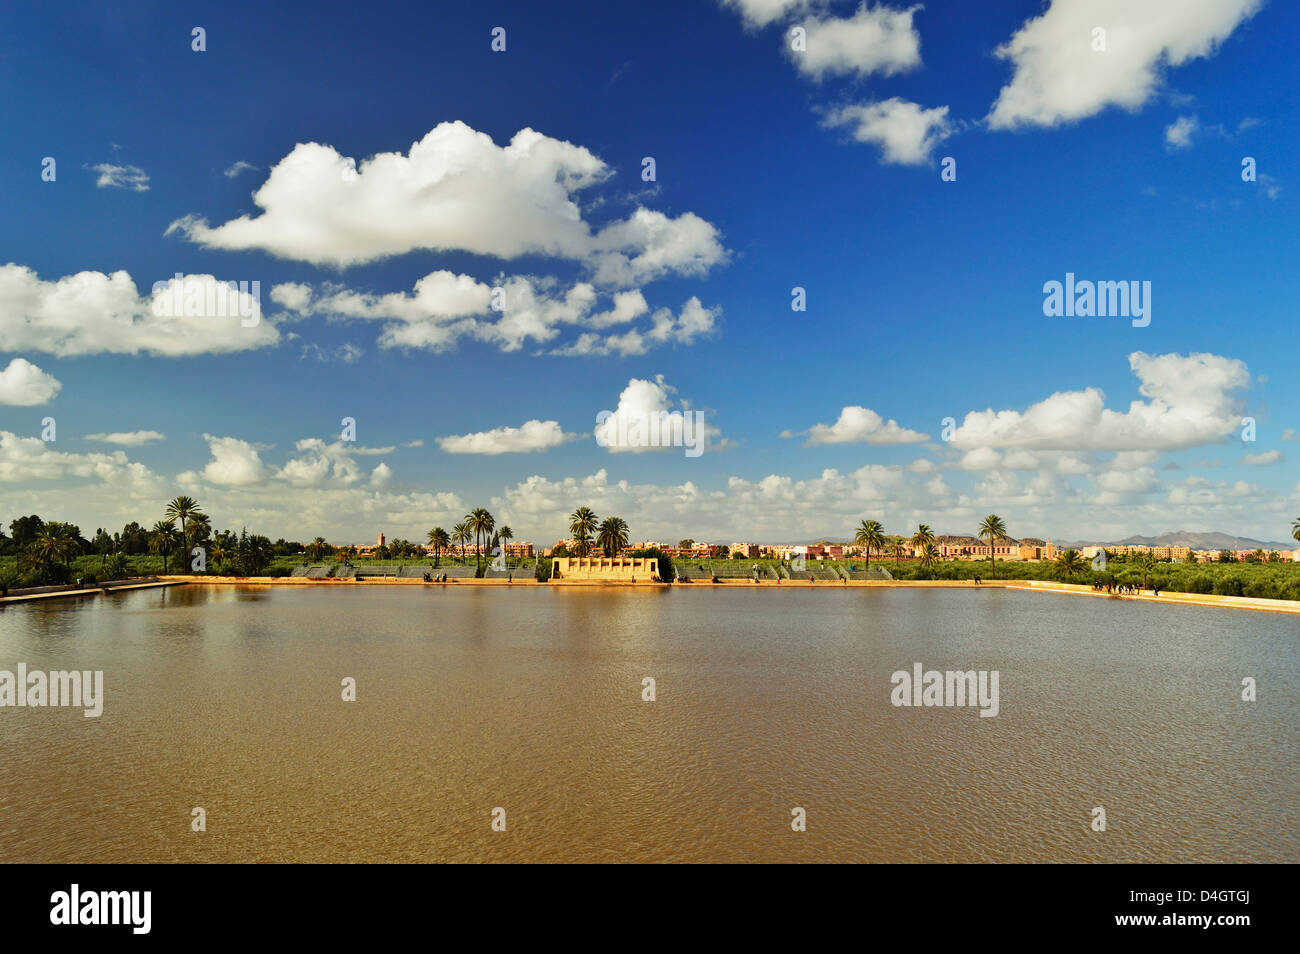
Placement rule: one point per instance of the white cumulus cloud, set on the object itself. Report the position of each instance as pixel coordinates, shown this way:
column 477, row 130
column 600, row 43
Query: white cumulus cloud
column 457, row 190
column 121, row 177
column 128, row 438
column 95, row 313
column 759, row 13
column 23, row 384
column 531, row 436
column 874, row 40
column 1263, row 459
column 1060, row 76
column 646, row 419
column 1179, row 133
column 861, row 425
column 1191, row 399
column 905, row 132
column 234, row 463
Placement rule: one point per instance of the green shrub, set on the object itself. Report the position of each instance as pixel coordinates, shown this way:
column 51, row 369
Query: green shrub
column 1261, row 589
column 1228, row 586
column 667, row 572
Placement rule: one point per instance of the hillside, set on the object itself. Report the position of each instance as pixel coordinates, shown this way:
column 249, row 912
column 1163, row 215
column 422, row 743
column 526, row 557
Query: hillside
column 1188, row 538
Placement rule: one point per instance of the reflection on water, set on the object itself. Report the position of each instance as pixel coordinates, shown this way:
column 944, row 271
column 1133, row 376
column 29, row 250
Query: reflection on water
column 529, row 699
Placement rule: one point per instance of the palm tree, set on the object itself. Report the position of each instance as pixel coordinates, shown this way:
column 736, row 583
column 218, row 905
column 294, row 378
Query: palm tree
column 439, row 540
column 582, row 524
column 929, row 555
column 184, row 509
column 612, row 536
column 505, row 535
column 898, row 548
column 870, row 535
column 53, row 544
column 116, row 568
column 994, row 529
column 317, row 548
column 460, row 535
column 1146, row 563
column 922, row 536
column 1070, row 563
column 162, row 540
column 1295, row 528
column 200, row 527
column 221, row 552
column 481, row 523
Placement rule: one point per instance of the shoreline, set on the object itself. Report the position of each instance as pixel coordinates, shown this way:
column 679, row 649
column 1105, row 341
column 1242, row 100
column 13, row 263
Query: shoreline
column 90, row 591
column 1042, row 586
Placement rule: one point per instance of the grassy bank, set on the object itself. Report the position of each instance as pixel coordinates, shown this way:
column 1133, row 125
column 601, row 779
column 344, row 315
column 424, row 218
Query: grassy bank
column 1274, row 581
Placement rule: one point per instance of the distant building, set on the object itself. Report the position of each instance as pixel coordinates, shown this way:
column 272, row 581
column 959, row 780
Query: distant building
column 1159, row 553
column 571, row 545
column 606, row 569
column 1031, row 551
column 700, row 551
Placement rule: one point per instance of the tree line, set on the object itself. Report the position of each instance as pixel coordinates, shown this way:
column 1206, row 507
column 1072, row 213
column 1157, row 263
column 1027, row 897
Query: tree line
column 45, row 551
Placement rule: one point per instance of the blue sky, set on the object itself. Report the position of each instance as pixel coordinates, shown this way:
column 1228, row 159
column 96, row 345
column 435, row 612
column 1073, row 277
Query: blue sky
column 775, row 169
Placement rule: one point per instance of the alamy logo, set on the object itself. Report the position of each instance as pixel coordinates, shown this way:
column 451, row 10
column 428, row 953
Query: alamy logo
column 1085, row 299
column 201, row 296
column 624, row 430
column 103, row 907
column 81, row 689
column 953, row 688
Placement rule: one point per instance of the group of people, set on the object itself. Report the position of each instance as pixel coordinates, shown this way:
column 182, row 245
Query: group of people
column 435, row 579
column 1122, row 589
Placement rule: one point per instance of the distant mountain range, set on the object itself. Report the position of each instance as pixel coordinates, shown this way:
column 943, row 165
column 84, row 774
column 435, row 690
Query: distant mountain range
column 1179, row 538
column 1186, row 538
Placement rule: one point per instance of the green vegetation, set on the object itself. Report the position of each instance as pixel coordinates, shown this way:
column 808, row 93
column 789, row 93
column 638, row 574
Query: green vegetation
column 612, row 535
column 582, row 524
column 1262, row 575
column 1069, row 564
column 667, row 573
column 870, row 535
column 1277, row 581
column 995, row 531
column 37, row 552
column 440, row 540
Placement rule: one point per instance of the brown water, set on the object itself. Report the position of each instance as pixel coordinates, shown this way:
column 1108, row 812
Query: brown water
column 530, row 699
